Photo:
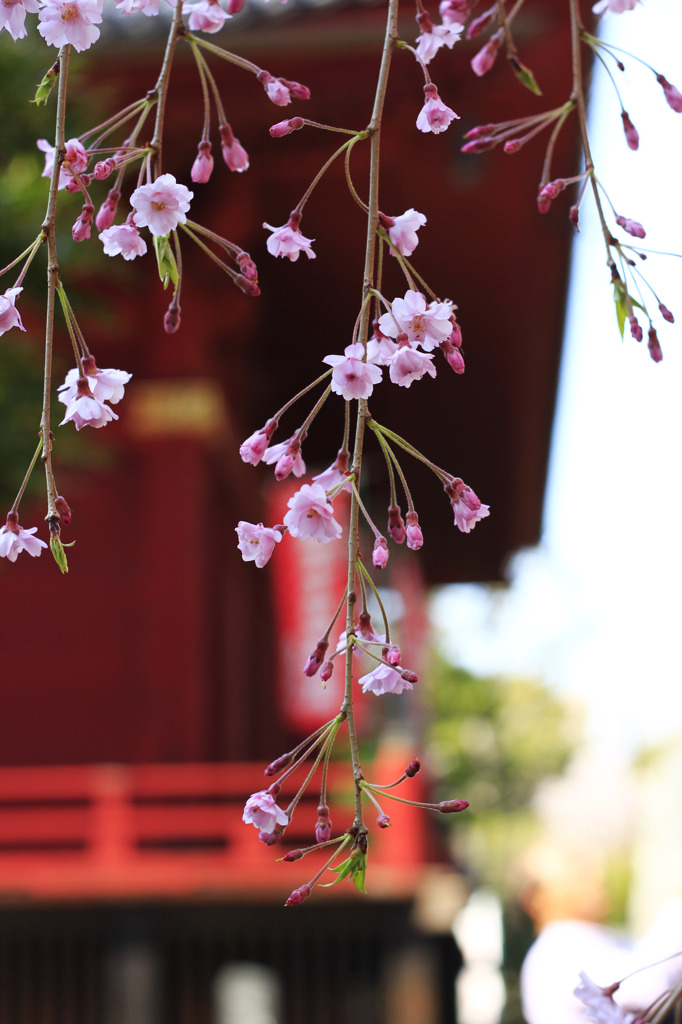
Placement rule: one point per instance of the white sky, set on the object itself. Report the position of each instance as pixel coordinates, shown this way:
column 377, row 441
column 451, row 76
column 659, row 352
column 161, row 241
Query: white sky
column 596, row 609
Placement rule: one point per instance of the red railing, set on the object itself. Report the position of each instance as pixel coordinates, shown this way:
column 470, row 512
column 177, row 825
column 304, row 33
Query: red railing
column 137, row 831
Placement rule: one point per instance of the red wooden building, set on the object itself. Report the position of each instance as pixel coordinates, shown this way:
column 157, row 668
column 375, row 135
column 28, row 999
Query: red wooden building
column 142, row 694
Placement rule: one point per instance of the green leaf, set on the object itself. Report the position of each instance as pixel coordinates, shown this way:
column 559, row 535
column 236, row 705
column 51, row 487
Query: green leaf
column 526, row 77
column 358, row 874
column 354, row 867
column 58, row 553
column 46, row 86
column 165, row 259
column 620, row 296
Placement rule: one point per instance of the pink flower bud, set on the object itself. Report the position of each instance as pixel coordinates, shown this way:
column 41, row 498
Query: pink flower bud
column 234, row 154
column 62, row 506
column 631, row 133
column 456, row 336
column 72, row 185
column 415, row 537
column 573, row 215
column 396, row 526
column 655, row 350
column 512, row 146
column 271, row 838
column 284, row 466
column 480, row 24
column 235, row 6
column 410, row 677
column 673, row 96
column 298, row 895
column 323, row 826
column 550, row 191
column 666, row 314
column 293, row 855
column 452, row 806
column 81, row 229
column 454, row 356
column 247, row 267
column 413, row 768
column 286, row 127
column 104, row 168
column 249, row 287
column 380, row 553
column 635, row 329
column 482, row 62
column 316, row 658
column 383, row 821
column 326, row 670
column 171, row 319
column 279, row 764
column 479, row 131
column 632, row 227
column 478, row 145
column 298, row 91
column 107, row 211
column 202, row 168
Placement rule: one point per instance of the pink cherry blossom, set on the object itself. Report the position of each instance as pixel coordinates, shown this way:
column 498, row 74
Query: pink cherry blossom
column 466, row 505
column 162, row 205
column 262, row 811
column 598, row 1002
column 424, row 325
column 380, row 553
column 256, row 542
column 288, row 241
column 13, row 16
column 253, row 449
column 633, row 227
column 75, row 160
column 311, row 515
column 429, row 43
column 202, row 168
column 614, row 6
column 205, row 16
column 482, row 62
column 415, row 537
column 278, row 92
column 9, row 314
column 14, row 539
column 234, row 154
column 434, row 116
column 673, row 96
column 351, row 377
column 124, row 240
column 453, row 356
column 403, row 231
column 107, row 211
column 84, row 410
column 410, row 365
column 631, row 133
column 83, row 225
column 336, row 476
column 70, row 21
column 276, row 452
column 149, row 8
column 105, row 385
column 384, row 680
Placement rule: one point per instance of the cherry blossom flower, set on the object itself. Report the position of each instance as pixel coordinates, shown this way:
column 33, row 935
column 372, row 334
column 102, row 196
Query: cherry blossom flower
column 384, row 679
column 424, row 325
column 234, row 154
column 13, row 16
column 434, row 116
column 276, row 452
column 288, row 240
column 14, row 539
column 277, row 89
column 149, row 8
column 124, row 240
column 402, row 230
column 105, row 385
column 380, row 349
column 673, row 96
column 482, row 62
column 415, row 537
column 311, row 515
column 253, row 449
column 614, row 6
column 256, row 542
column 351, row 377
column 466, row 505
column 75, row 160
column 162, row 205
column 9, row 314
column 410, row 365
column 429, row 43
column 83, row 409
column 455, row 11
column 282, row 128
column 81, row 229
column 262, row 811
column 202, row 168
column 599, row 1003
column 380, row 553
column 205, row 16
column 70, row 21
column 336, row 476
